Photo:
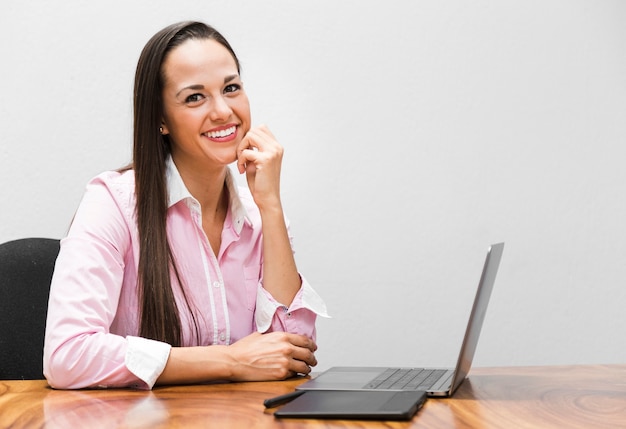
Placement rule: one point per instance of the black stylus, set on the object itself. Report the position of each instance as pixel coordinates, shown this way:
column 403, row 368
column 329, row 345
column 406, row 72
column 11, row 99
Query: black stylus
column 282, row 399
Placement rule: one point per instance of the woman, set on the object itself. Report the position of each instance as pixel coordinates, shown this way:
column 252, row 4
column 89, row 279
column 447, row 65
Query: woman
column 170, row 273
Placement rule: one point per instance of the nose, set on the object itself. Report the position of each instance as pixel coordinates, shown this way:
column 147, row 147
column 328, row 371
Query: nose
column 220, row 110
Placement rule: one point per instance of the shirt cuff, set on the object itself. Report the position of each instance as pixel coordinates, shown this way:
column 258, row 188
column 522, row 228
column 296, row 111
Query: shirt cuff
column 266, row 305
column 146, row 359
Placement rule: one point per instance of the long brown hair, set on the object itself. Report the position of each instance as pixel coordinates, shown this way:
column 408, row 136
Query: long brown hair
column 159, row 315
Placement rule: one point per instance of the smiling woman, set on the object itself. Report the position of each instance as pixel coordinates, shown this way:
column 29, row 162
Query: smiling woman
column 171, row 273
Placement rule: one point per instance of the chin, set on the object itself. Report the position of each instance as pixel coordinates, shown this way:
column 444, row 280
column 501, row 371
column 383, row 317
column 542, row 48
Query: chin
column 227, row 160
column 224, row 155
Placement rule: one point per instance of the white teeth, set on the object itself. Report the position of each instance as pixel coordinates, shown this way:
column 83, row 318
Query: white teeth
column 221, row 133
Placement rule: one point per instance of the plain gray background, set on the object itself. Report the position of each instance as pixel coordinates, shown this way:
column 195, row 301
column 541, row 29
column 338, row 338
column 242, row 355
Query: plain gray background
column 416, row 134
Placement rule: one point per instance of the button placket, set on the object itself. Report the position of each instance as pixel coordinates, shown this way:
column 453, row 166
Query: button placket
column 218, row 285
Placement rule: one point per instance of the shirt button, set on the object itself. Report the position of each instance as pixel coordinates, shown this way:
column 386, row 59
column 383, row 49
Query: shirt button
column 216, row 284
column 222, row 337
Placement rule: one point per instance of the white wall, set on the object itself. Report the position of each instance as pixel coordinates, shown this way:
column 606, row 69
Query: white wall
column 416, row 133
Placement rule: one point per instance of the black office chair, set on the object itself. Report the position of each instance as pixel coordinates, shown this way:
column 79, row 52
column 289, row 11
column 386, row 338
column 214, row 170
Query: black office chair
column 26, row 267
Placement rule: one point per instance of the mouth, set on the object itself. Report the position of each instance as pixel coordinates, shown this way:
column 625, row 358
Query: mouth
column 224, row 134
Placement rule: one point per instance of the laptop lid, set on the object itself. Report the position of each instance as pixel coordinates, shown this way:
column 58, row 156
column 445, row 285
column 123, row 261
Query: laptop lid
column 477, row 315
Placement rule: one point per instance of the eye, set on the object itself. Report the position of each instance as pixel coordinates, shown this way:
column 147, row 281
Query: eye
column 233, row 87
column 194, row 98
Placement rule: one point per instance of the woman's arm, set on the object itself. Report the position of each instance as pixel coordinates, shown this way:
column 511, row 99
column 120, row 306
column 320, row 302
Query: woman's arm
column 79, row 350
column 257, row 357
column 260, row 156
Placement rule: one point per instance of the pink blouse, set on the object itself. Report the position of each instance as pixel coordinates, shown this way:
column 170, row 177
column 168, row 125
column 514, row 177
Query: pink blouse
column 92, row 327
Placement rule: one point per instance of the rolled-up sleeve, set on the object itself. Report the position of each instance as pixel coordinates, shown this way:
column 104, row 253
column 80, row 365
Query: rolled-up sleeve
column 146, row 359
column 298, row 318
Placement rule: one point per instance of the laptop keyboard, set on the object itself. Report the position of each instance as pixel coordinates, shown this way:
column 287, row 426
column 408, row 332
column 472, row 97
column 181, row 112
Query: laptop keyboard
column 406, row 379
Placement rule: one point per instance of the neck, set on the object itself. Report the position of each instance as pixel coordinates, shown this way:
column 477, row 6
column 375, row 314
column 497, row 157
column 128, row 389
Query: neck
column 208, row 187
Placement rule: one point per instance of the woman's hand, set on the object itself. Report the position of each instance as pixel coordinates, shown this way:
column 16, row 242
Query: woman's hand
column 259, row 155
column 272, row 356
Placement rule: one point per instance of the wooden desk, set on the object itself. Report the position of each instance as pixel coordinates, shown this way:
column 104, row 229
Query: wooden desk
column 532, row 397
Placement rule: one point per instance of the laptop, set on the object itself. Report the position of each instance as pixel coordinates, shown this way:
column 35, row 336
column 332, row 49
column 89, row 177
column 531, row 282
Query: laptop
column 437, row 382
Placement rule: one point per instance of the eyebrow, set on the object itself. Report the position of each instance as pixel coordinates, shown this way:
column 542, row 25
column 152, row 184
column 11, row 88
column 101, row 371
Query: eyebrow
column 231, row 77
column 227, row 79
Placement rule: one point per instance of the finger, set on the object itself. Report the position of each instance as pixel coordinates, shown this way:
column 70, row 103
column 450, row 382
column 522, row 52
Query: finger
column 241, row 158
column 300, row 368
column 247, row 160
column 241, row 165
column 304, row 355
column 301, row 341
column 247, row 151
column 261, row 138
column 244, row 158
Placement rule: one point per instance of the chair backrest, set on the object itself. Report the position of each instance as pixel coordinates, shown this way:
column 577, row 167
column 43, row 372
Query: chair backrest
column 26, row 267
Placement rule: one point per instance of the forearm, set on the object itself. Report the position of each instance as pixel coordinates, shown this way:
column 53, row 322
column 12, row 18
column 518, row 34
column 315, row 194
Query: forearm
column 257, row 357
column 188, row 365
column 260, row 156
column 280, row 274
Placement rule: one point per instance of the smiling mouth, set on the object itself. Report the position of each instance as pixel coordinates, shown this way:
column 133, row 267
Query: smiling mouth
column 226, row 132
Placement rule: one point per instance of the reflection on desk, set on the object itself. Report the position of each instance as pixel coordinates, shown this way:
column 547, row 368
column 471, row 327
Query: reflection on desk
column 584, row 396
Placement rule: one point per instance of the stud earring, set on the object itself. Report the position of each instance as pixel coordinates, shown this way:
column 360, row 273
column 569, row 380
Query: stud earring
column 161, row 130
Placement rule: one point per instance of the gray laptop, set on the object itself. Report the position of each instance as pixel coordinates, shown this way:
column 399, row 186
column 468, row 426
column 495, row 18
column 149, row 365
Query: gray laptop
column 435, row 381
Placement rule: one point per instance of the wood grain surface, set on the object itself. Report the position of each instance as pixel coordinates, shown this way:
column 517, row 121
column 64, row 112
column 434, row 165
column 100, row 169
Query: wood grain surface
column 592, row 396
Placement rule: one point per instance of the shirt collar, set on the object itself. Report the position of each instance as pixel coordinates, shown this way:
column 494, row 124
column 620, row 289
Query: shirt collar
column 177, row 191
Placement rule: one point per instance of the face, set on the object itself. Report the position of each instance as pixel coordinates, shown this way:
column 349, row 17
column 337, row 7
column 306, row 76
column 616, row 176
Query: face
column 206, row 111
